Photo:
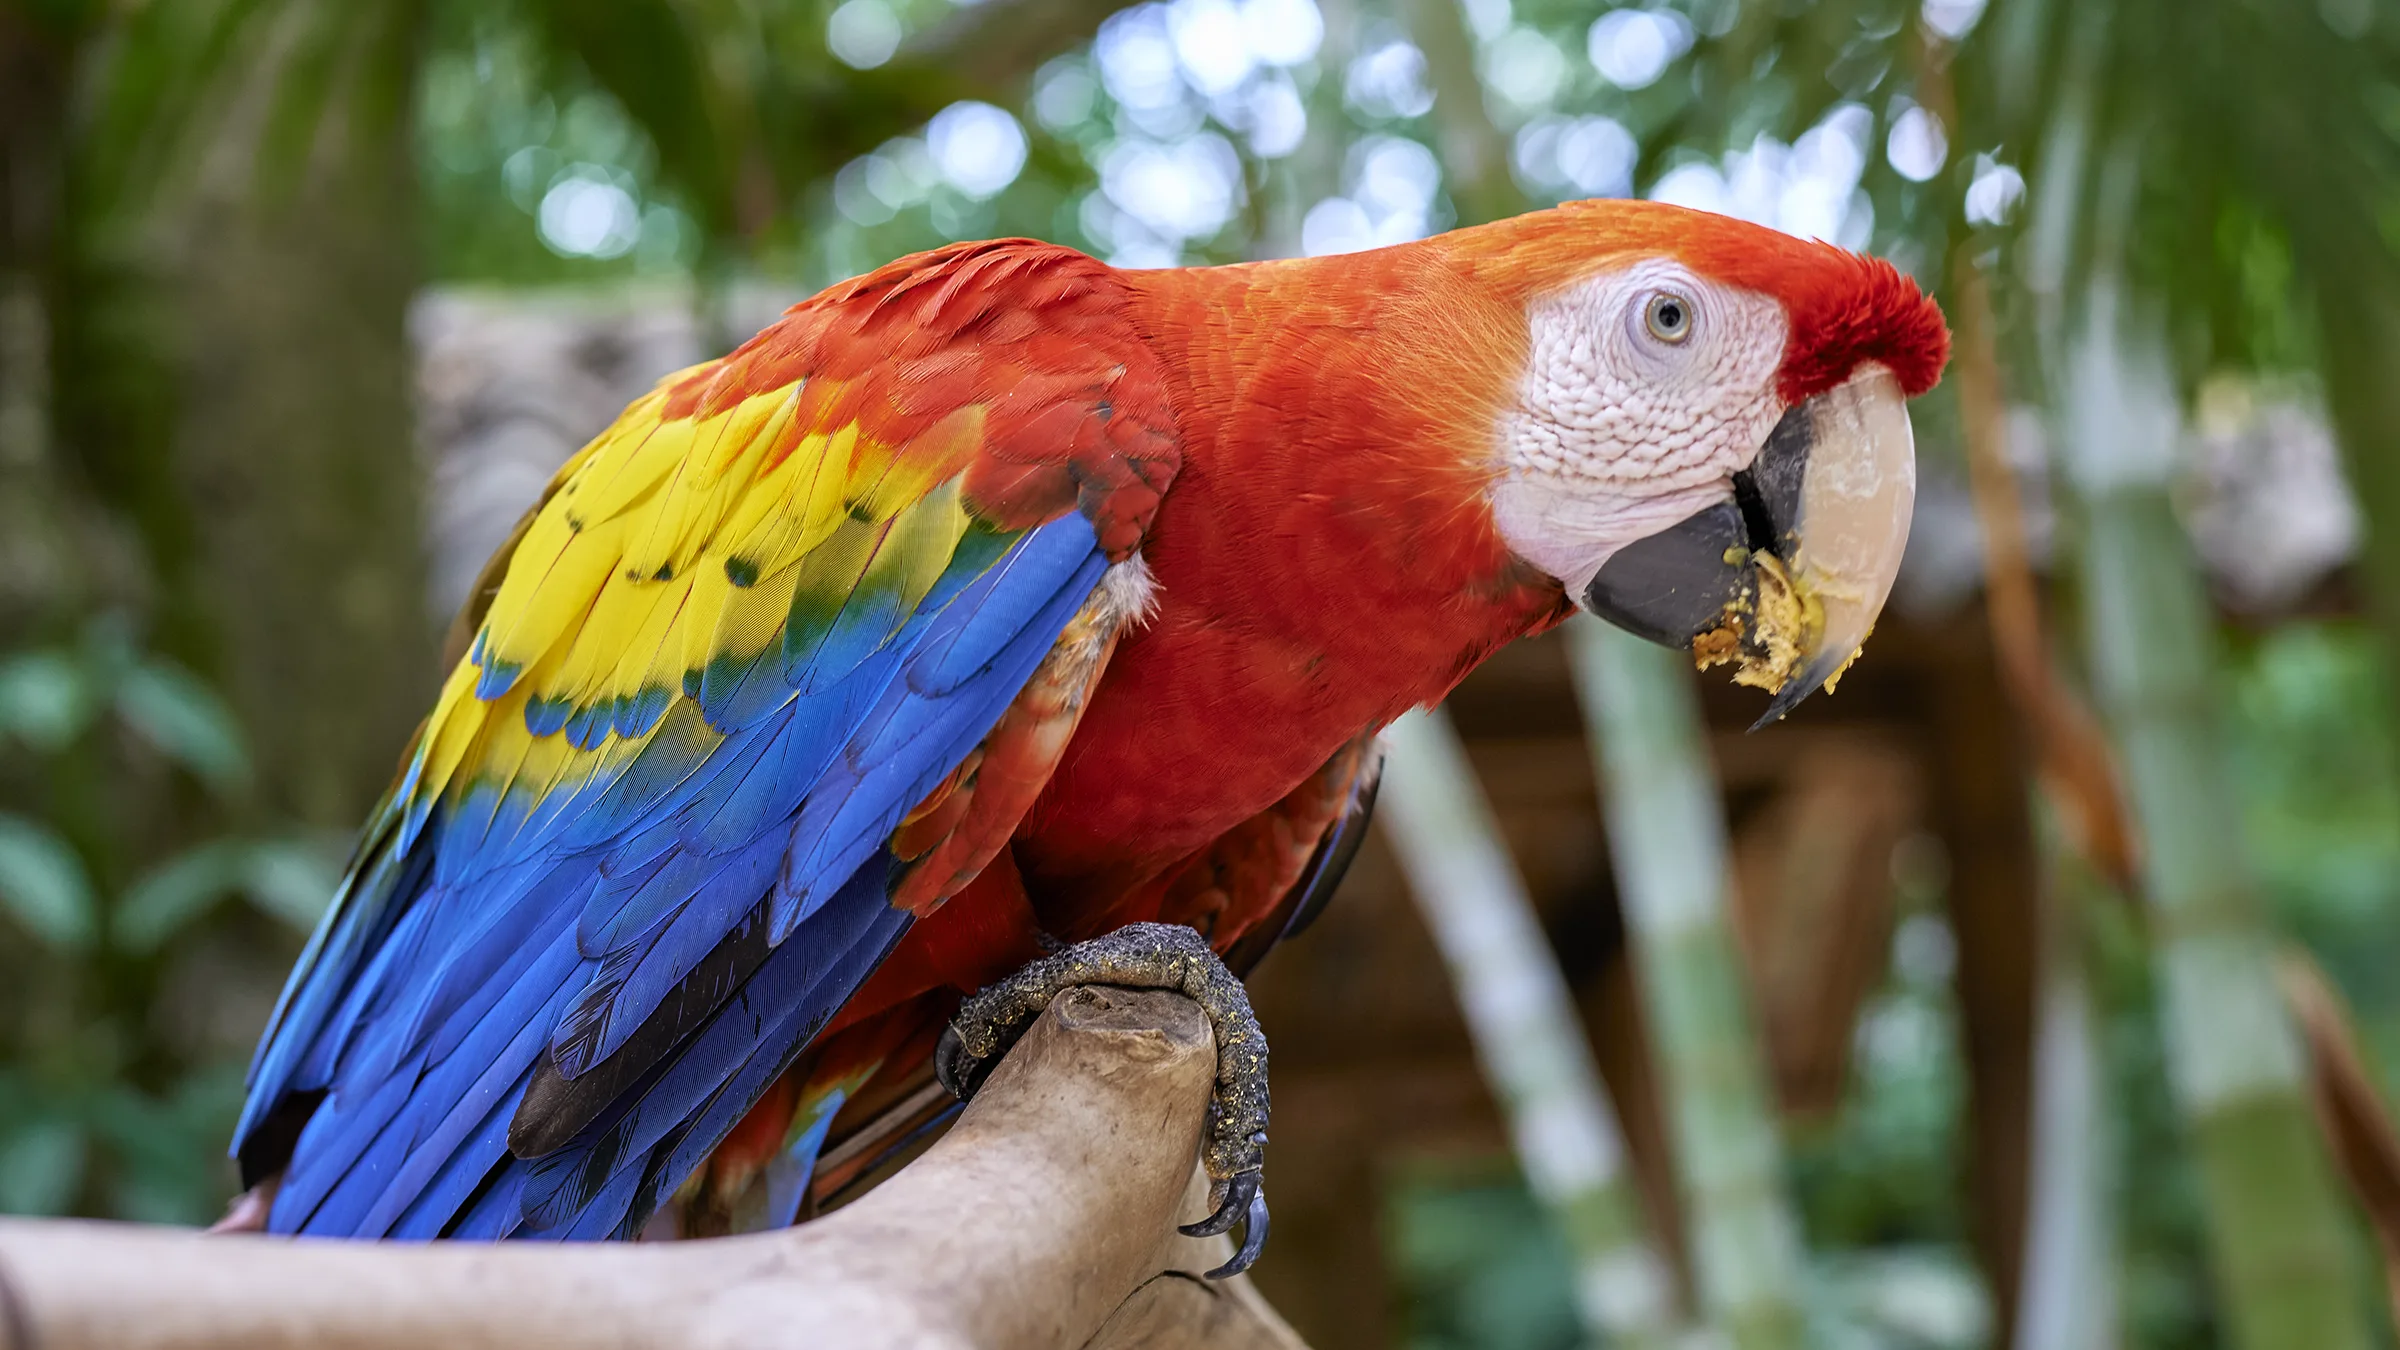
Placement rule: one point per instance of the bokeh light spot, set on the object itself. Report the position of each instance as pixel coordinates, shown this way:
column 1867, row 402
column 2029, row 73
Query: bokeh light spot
column 1064, row 95
column 1951, row 19
column 1631, row 48
column 1388, row 81
column 1809, row 188
column 1277, row 119
column 585, row 215
column 979, row 148
column 1283, row 32
column 1993, row 194
column 1525, row 67
column 863, row 33
column 1918, row 146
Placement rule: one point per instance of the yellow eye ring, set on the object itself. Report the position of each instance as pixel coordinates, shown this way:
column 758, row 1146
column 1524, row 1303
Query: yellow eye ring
column 1668, row 316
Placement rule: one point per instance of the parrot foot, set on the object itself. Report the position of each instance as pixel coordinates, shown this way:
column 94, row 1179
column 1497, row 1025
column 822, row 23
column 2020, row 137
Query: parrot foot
column 1145, row 956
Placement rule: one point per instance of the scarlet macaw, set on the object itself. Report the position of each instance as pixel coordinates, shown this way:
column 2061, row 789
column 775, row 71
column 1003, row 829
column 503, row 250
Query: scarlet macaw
column 1000, row 599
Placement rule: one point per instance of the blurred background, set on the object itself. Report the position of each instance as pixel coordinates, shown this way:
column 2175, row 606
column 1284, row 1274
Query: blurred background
column 2040, row 988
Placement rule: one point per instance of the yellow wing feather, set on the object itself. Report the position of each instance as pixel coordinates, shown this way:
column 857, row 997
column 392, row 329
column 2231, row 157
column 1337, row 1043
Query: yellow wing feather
column 669, row 543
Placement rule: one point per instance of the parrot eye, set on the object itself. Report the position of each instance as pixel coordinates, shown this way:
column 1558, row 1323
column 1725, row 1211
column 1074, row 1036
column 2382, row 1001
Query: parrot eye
column 1669, row 317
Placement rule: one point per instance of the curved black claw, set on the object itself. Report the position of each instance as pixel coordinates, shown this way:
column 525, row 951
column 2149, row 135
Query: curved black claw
column 1240, row 1189
column 959, row 1073
column 1254, row 1236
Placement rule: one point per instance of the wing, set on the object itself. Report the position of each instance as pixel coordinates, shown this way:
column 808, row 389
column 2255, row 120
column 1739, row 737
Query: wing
column 1348, row 783
column 1270, row 876
column 643, row 847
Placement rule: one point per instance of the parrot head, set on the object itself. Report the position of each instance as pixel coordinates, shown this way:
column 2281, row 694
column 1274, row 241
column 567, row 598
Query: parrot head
column 1705, row 437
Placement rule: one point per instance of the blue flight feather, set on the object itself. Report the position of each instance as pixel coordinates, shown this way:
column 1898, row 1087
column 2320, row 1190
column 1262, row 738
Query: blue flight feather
column 484, row 930
column 911, row 746
column 452, row 1187
column 495, row 1212
column 654, row 969
column 791, row 991
column 687, row 1150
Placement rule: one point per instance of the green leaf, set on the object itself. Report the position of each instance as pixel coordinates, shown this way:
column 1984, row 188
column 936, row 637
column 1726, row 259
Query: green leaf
column 44, row 885
column 164, row 1151
column 187, row 722
column 41, row 1168
column 288, row 880
column 293, row 882
column 45, row 699
column 177, row 892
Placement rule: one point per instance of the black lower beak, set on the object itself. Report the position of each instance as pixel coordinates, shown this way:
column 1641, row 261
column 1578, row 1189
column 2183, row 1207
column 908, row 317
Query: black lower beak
column 1676, row 584
column 1785, row 576
column 1685, row 580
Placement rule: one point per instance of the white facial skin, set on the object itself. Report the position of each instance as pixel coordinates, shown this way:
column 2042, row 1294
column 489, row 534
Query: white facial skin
column 1625, row 423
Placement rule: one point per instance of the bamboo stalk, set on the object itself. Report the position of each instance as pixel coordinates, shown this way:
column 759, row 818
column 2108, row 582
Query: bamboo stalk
column 2070, row 751
column 1524, row 1027
column 2066, row 1296
column 1667, row 840
column 2235, row 1063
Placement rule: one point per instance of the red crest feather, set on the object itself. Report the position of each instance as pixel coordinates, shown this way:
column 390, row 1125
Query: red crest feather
column 1850, row 309
column 1843, row 308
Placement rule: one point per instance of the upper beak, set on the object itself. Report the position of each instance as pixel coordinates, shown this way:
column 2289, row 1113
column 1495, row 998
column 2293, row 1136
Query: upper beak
column 1786, row 577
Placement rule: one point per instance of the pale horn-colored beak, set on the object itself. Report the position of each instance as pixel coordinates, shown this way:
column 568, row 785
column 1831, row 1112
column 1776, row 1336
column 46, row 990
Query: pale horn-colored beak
column 1784, row 580
column 1856, row 495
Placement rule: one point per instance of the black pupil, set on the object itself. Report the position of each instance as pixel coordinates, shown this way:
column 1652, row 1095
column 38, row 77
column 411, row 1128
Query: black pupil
column 1670, row 315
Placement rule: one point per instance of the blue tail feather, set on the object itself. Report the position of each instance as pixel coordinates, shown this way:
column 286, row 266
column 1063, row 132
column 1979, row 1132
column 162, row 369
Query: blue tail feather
column 468, row 1167
column 726, row 1109
column 508, row 1066
column 494, row 1213
column 784, row 1002
column 662, row 965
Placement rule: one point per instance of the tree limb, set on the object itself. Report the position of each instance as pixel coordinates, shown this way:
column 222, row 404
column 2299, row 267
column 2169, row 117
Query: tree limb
column 1045, row 1215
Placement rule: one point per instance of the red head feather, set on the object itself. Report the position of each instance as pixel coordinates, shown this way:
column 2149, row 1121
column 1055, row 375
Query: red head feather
column 1842, row 308
column 1849, row 309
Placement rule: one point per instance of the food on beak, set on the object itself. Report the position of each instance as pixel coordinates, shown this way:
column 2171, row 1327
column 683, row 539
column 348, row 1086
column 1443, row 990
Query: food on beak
column 1783, row 582
column 1765, row 634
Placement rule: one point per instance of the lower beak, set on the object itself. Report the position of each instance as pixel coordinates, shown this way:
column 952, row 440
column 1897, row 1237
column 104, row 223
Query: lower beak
column 1785, row 578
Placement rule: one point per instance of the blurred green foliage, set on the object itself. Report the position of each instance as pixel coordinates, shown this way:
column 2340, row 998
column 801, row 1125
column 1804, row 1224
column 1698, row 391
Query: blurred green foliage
column 495, row 125
column 2323, row 805
column 2161, row 1232
column 123, row 1017
column 1480, row 1266
column 1881, row 1172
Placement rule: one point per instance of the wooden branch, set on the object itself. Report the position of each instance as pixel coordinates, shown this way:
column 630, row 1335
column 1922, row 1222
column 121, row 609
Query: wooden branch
column 1044, row 1216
